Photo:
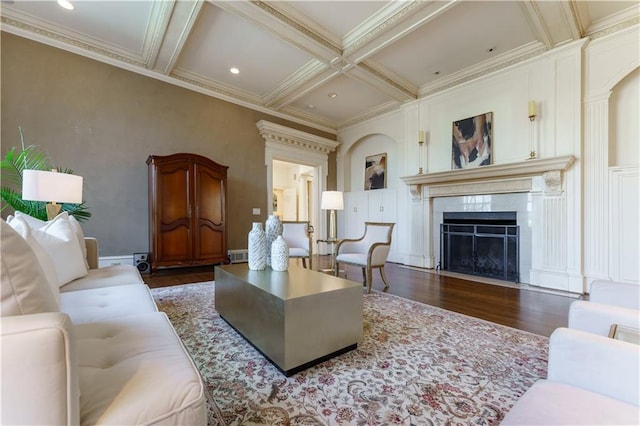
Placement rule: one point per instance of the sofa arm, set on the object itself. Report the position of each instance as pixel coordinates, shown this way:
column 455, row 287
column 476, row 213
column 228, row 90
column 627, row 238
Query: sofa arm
column 595, row 363
column 92, row 252
column 598, row 318
column 40, row 383
column 626, row 295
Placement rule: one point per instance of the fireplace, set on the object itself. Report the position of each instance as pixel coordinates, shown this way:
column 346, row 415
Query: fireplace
column 481, row 243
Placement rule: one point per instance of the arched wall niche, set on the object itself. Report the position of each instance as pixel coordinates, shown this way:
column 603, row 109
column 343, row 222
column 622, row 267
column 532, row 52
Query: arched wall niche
column 355, row 156
column 624, row 127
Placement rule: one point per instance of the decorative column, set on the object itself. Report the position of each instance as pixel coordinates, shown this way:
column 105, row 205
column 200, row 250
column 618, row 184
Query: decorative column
column 595, row 161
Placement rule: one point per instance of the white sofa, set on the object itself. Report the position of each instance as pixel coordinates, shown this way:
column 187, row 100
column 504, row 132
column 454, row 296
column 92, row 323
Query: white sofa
column 100, row 354
column 591, row 380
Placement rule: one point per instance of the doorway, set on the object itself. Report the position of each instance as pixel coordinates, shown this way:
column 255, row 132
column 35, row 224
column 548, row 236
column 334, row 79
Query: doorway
column 292, row 189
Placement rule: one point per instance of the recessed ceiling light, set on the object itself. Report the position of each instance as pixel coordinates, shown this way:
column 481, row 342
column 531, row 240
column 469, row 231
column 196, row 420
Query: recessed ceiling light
column 491, row 49
column 333, row 95
column 311, row 106
column 436, row 73
column 66, row 4
column 234, row 70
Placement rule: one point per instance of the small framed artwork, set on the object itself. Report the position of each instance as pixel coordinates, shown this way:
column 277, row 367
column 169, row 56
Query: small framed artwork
column 375, row 171
column 472, row 139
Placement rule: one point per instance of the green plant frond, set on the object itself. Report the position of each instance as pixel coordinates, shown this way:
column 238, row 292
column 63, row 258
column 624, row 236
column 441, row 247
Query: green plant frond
column 14, row 199
column 29, row 159
column 79, row 211
column 64, row 170
column 13, row 165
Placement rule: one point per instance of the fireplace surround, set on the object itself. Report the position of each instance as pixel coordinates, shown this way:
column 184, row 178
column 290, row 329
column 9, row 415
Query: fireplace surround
column 536, row 189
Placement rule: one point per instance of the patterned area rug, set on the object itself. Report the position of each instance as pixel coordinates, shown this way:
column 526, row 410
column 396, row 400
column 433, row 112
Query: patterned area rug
column 416, row 365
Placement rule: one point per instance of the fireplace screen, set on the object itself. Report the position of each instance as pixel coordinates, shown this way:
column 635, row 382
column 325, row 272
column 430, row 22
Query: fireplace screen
column 481, row 243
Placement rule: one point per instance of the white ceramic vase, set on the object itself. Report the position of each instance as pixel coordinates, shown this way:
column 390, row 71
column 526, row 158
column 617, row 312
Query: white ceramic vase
column 273, row 228
column 279, row 254
column 257, row 242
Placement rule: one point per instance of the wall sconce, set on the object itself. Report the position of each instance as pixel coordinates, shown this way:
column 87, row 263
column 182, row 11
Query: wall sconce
column 532, row 135
column 532, row 110
column 51, row 187
column 420, row 148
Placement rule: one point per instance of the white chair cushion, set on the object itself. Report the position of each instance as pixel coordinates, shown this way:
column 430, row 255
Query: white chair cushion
column 298, row 252
column 549, row 403
column 135, row 370
column 99, row 304
column 114, row 275
column 46, row 263
column 353, row 258
column 25, row 289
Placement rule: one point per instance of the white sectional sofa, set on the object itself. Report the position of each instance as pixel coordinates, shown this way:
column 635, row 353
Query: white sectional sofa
column 90, row 351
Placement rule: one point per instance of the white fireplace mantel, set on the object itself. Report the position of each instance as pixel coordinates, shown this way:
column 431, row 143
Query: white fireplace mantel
column 513, row 177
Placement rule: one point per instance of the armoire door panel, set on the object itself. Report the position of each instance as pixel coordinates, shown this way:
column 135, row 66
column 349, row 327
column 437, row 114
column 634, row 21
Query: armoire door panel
column 210, row 243
column 174, row 245
column 209, row 195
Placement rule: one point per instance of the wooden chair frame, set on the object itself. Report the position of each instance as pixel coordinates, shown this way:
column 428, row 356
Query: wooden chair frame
column 376, row 254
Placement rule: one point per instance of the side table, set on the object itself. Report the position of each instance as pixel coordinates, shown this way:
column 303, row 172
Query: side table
column 332, row 253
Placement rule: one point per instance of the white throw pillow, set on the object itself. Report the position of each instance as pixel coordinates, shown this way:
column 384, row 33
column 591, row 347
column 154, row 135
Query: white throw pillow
column 25, row 289
column 33, row 222
column 45, row 261
column 36, row 223
column 61, row 243
column 75, row 225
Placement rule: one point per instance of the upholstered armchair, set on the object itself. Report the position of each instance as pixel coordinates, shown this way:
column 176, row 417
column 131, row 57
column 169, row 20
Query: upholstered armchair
column 591, row 380
column 610, row 302
column 297, row 235
column 368, row 252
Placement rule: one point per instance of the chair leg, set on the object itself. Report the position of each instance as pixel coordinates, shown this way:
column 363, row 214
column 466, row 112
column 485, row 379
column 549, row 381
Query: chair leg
column 364, row 276
column 369, row 279
column 336, row 269
column 384, row 278
column 304, row 263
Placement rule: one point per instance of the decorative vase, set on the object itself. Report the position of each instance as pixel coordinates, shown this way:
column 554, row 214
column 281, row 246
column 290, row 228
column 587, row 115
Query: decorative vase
column 279, row 254
column 257, row 241
column 273, row 228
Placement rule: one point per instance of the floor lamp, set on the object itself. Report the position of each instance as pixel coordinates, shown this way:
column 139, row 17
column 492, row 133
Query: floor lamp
column 51, row 187
column 332, row 201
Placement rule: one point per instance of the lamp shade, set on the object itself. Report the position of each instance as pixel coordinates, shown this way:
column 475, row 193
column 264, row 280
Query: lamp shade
column 332, row 200
column 40, row 185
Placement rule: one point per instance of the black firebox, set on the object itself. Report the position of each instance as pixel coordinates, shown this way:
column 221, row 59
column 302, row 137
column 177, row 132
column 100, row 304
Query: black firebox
column 481, row 243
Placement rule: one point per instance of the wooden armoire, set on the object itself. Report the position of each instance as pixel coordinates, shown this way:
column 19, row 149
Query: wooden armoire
column 187, row 218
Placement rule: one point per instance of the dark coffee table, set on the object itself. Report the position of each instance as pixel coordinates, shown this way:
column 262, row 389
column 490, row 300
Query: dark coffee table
column 296, row 318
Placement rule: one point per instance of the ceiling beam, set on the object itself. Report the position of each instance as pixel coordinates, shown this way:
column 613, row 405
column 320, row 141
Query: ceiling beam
column 181, row 24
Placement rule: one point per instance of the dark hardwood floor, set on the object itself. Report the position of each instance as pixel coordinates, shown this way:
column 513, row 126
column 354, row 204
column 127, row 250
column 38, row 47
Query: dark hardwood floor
column 533, row 311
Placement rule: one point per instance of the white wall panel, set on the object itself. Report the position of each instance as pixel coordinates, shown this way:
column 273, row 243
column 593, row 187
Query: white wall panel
column 625, row 223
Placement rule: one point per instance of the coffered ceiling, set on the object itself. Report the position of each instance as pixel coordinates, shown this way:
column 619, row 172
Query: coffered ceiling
column 327, row 64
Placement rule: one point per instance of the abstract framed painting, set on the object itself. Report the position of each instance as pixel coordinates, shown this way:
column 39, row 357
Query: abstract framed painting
column 375, row 171
column 472, row 140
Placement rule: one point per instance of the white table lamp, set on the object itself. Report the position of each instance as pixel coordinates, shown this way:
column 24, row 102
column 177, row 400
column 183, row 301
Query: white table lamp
column 51, row 187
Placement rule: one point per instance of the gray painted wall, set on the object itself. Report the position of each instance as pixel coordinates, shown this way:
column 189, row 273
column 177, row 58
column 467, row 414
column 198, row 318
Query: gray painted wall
column 103, row 122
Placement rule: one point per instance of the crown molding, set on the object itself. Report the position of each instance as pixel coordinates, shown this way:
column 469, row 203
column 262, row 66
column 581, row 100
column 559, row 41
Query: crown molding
column 272, row 132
